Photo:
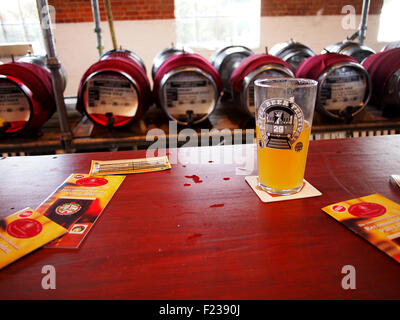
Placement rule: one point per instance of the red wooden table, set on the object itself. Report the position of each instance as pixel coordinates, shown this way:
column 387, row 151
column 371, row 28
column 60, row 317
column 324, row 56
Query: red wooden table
column 159, row 238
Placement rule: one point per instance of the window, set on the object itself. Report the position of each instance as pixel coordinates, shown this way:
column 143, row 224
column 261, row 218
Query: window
column 389, row 23
column 212, row 24
column 19, row 23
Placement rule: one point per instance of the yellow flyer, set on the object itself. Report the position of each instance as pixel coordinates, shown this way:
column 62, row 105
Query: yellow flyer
column 375, row 218
column 77, row 204
column 24, row 232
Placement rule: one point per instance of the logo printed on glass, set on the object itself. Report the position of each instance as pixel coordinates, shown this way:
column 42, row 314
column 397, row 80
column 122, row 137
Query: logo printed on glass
column 280, row 122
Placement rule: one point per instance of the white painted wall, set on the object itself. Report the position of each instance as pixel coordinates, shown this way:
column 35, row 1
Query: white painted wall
column 76, row 42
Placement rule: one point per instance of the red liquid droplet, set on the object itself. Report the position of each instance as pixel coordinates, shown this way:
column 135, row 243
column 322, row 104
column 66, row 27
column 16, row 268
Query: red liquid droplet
column 195, row 178
column 210, row 161
column 187, row 184
column 226, row 179
column 217, row 205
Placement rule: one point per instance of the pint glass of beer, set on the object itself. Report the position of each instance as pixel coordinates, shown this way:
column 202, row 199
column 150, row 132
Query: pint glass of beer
column 284, row 112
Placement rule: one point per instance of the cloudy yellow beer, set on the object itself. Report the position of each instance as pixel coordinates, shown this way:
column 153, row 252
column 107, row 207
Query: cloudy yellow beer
column 283, row 169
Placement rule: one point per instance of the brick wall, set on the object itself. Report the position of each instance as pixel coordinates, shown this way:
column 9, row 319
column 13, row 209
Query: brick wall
column 81, row 11
column 311, row 7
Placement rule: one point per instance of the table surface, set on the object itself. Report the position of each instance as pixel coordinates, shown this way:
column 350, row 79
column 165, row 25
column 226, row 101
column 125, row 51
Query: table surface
column 160, row 238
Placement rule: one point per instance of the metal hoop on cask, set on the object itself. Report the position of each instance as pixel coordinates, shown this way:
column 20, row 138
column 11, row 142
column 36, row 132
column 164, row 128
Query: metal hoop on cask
column 350, row 48
column 292, row 52
column 226, row 60
column 41, row 61
column 391, row 45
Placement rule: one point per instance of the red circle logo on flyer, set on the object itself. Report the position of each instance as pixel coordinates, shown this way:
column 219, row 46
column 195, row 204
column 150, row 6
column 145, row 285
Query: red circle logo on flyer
column 367, row 210
column 26, row 214
column 68, row 209
column 24, row 228
column 339, row 208
column 92, row 182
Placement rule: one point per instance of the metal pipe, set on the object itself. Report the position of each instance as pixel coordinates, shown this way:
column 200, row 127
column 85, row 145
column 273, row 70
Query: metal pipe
column 107, row 5
column 362, row 29
column 97, row 27
column 54, row 67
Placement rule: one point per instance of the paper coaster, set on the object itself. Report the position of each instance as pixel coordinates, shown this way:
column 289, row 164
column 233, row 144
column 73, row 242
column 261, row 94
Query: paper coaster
column 306, row 192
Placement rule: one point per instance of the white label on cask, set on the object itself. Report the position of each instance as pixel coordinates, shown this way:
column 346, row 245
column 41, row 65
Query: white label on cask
column 111, row 93
column 14, row 104
column 189, row 91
